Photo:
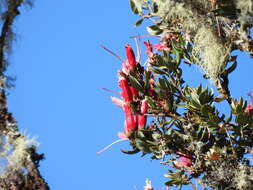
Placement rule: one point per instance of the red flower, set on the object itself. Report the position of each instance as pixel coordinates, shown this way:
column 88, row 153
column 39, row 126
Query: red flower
column 134, row 92
column 126, row 91
column 130, row 57
column 131, row 120
column 142, row 119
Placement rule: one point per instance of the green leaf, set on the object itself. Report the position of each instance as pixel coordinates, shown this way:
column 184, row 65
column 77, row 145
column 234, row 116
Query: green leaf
column 135, row 83
column 142, row 145
column 230, row 117
column 134, row 151
column 151, row 102
column 170, row 183
column 162, row 83
column 154, row 30
column 157, row 71
column 232, row 68
column 155, row 7
column 136, row 7
column 138, row 22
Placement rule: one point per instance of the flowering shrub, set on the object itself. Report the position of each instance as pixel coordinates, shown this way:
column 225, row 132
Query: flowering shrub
column 186, row 131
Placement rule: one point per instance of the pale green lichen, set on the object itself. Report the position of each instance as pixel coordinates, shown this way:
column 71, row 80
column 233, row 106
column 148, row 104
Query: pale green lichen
column 173, row 11
column 246, row 11
column 14, row 150
column 209, row 53
column 242, row 178
column 19, row 153
column 170, row 8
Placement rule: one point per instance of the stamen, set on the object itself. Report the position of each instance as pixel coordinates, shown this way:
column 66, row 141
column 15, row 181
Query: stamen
column 114, row 54
column 107, row 147
column 108, row 90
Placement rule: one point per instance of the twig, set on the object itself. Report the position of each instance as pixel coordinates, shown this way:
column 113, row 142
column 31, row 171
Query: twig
column 218, row 26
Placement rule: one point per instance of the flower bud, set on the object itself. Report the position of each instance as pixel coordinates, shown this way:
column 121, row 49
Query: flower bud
column 130, row 57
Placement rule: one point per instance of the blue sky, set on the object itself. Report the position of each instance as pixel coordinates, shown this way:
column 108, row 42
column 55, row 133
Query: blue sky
column 60, row 70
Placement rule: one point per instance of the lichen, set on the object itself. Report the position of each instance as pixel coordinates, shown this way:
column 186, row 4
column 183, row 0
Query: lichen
column 14, row 151
column 246, row 11
column 209, row 53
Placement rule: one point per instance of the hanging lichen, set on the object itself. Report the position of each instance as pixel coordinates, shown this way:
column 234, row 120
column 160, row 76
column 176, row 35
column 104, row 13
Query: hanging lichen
column 209, row 53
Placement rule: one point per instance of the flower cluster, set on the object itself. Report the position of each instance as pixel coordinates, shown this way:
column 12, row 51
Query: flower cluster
column 129, row 94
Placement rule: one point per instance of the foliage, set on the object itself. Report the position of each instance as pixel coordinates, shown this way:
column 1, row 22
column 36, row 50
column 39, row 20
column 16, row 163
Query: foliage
column 185, row 129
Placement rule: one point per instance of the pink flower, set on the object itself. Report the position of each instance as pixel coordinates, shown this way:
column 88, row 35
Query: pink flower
column 185, row 160
column 130, row 57
column 161, row 47
column 142, row 119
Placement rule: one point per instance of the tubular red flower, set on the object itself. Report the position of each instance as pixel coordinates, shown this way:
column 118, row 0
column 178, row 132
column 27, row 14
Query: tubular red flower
column 130, row 57
column 134, row 92
column 131, row 120
column 126, row 91
column 142, row 119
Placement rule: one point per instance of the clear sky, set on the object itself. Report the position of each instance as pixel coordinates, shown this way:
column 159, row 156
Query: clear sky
column 60, row 71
